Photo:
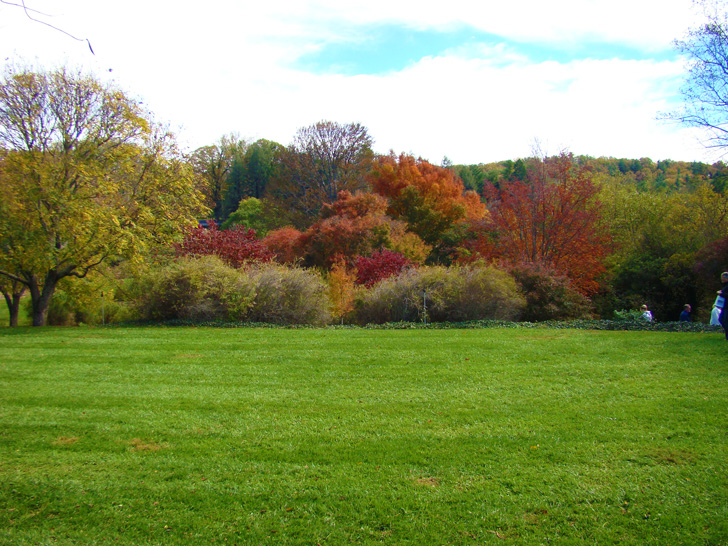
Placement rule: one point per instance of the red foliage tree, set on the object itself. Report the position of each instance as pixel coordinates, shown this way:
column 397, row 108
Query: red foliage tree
column 285, row 244
column 236, row 247
column 380, row 265
column 551, row 219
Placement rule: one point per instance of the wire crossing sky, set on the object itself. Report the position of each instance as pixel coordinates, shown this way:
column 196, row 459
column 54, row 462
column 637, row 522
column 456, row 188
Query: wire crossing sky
column 474, row 81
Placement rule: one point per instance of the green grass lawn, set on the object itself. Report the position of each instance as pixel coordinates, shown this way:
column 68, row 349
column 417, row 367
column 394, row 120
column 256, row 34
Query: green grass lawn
column 275, row 436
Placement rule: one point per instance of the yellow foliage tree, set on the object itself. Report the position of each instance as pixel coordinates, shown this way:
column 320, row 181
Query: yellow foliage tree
column 86, row 177
column 341, row 289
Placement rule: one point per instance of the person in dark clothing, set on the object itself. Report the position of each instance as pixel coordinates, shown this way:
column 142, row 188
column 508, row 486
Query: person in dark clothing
column 723, row 293
column 685, row 315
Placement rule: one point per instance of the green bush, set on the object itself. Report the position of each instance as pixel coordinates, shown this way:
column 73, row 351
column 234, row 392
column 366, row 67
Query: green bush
column 201, row 288
column 288, row 295
column 627, row 315
column 204, row 289
column 89, row 300
column 549, row 295
column 440, row 294
column 63, row 310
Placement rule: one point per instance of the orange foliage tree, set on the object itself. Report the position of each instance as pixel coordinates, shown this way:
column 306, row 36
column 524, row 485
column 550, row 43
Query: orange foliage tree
column 342, row 286
column 357, row 225
column 430, row 199
column 552, row 218
column 285, row 244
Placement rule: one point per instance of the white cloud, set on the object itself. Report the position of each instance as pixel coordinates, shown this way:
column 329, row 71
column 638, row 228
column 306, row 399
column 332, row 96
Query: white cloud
column 475, row 110
column 226, row 66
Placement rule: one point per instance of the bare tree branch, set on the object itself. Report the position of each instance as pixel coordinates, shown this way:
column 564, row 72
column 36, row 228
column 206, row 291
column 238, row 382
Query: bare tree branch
column 28, row 12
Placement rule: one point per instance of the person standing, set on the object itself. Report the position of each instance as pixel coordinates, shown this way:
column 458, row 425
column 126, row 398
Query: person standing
column 685, row 315
column 715, row 315
column 646, row 315
column 723, row 293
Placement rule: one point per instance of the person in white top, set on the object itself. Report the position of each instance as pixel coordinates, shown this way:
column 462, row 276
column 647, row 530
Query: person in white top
column 646, row 314
column 717, row 308
column 715, row 316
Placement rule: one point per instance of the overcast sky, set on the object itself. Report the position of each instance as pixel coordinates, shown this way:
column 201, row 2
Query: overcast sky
column 474, row 80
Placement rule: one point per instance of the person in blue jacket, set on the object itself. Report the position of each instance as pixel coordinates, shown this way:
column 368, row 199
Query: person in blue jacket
column 685, row 315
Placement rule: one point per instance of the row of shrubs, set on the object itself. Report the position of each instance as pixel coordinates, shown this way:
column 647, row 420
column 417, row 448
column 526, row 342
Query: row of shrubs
column 204, row 289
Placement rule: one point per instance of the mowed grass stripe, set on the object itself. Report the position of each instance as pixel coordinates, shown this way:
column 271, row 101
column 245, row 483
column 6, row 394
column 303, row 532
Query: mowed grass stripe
column 274, row 436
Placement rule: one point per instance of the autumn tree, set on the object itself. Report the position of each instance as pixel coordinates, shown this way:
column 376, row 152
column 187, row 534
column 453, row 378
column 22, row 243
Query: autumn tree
column 380, row 265
column 430, row 199
column 351, row 226
column 356, row 225
column 550, row 219
column 285, row 244
column 88, row 177
column 335, row 156
column 341, row 289
column 323, row 160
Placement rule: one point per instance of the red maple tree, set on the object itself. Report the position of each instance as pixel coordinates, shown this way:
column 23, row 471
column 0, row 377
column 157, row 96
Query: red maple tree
column 552, row 218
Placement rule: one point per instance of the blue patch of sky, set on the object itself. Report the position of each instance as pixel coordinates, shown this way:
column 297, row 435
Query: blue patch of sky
column 387, row 48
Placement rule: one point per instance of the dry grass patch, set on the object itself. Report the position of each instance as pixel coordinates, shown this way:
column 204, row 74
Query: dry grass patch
column 428, row 482
column 138, row 444
column 65, row 441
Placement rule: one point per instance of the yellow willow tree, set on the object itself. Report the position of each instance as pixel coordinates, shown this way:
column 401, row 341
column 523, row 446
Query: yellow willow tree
column 86, row 176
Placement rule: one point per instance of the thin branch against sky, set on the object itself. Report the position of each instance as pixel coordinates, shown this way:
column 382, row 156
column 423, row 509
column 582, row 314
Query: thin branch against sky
column 28, row 12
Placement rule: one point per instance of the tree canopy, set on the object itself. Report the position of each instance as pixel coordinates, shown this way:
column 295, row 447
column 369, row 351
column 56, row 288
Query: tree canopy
column 87, row 176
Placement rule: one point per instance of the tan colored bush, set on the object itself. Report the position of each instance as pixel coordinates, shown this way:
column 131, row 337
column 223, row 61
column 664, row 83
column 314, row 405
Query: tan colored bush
column 440, row 294
column 288, row 295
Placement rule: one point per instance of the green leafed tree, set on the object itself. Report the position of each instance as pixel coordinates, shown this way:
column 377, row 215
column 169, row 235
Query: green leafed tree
column 212, row 164
column 86, row 177
column 249, row 174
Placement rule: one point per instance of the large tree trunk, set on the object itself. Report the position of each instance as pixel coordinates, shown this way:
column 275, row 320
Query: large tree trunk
column 13, row 301
column 41, row 297
column 13, row 293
